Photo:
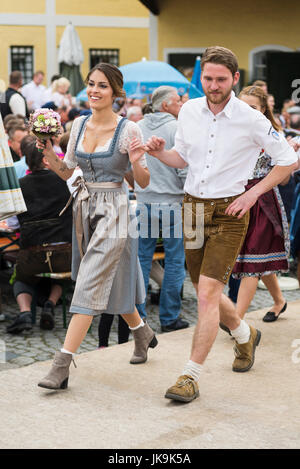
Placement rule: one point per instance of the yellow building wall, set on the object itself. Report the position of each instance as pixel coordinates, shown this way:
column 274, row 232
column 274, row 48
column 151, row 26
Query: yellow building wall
column 102, row 8
column 22, row 6
column 239, row 26
column 22, row 36
column 132, row 42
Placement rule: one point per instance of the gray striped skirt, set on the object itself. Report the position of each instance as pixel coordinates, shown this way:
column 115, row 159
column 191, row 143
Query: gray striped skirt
column 105, row 263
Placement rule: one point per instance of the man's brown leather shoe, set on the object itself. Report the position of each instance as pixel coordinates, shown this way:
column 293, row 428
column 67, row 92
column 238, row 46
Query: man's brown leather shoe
column 185, row 390
column 245, row 353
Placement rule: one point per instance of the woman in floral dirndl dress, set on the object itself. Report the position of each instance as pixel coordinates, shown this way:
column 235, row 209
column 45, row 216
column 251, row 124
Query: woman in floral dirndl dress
column 265, row 251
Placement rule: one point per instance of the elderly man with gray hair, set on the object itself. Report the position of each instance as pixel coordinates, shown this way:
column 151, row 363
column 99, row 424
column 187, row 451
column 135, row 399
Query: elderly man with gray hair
column 159, row 211
column 134, row 114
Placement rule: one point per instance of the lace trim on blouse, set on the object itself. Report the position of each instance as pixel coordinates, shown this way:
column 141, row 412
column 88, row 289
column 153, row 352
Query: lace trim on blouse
column 130, row 130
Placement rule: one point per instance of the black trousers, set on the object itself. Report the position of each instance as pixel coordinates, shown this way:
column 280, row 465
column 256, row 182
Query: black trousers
column 105, row 324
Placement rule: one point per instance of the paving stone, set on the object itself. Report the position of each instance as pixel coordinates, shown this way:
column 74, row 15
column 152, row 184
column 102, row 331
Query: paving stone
column 39, row 344
column 22, row 361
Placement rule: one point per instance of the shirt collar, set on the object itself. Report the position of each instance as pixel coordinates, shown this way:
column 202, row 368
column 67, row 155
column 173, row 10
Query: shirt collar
column 228, row 109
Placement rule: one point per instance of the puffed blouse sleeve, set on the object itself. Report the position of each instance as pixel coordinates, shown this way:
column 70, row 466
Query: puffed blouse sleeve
column 70, row 157
column 129, row 131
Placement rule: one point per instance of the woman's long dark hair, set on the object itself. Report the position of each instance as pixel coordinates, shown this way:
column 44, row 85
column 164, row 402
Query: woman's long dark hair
column 113, row 75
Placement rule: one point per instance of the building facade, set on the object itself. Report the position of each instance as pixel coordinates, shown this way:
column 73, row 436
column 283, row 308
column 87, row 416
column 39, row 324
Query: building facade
column 111, row 30
column 258, row 32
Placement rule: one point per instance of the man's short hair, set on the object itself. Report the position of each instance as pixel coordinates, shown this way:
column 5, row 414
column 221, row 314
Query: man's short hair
column 15, row 77
column 13, row 123
column 11, row 132
column 8, row 118
column 38, row 72
column 133, row 110
column 221, row 56
column 55, row 77
column 27, row 140
column 160, row 95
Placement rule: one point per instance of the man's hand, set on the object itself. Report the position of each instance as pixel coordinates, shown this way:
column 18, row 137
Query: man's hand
column 155, row 145
column 242, row 204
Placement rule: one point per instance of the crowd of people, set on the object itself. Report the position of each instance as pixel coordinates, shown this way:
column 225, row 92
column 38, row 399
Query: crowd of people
column 155, row 148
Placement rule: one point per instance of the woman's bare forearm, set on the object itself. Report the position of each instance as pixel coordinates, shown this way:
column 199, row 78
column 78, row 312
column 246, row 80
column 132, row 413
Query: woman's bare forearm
column 141, row 175
column 59, row 166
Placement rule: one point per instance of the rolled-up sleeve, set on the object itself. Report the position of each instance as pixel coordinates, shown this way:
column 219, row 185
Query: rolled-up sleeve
column 180, row 145
column 273, row 142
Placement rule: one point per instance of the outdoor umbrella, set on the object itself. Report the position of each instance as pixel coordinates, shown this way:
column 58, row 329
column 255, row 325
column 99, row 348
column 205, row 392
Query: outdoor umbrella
column 11, row 198
column 70, row 56
column 147, row 75
column 142, row 78
column 82, row 96
column 196, row 78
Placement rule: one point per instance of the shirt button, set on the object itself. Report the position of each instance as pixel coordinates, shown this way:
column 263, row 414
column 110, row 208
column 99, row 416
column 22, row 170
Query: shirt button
column 202, row 181
column 209, row 151
column 215, row 120
column 207, row 166
column 212, row 135
column 201, row 193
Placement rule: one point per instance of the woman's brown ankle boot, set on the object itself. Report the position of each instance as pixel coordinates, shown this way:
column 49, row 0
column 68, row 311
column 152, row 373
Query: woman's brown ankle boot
column 58, row 376
column 144, row 338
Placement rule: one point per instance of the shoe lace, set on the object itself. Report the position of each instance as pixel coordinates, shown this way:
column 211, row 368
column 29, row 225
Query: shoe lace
column 237, row 353
column 185, row 382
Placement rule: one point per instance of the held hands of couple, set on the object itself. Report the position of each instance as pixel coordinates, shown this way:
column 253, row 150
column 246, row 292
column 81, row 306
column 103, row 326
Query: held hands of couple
column 153, row 146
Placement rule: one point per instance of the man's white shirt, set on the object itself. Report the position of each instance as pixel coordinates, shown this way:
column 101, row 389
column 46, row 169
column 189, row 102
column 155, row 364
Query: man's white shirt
column 34, row 94
column 222, row 150
column 17, row 104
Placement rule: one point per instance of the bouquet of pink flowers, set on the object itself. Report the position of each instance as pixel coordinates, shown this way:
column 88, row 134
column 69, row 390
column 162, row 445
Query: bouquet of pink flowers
column 45, row 123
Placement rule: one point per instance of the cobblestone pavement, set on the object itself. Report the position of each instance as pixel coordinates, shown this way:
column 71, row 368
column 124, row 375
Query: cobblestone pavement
column 39, row 345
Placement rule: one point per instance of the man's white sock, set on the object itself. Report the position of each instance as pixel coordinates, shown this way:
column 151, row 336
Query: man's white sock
column 137, row 327
column 242, row 333
column 192, row 369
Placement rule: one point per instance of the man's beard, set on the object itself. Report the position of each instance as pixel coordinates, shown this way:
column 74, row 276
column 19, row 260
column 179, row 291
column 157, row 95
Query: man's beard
column 219, row 97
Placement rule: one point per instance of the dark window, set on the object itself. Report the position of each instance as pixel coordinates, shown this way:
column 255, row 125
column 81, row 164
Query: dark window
column 260, row 66
column 184, row 62
column 22, row 60
column 110, row 56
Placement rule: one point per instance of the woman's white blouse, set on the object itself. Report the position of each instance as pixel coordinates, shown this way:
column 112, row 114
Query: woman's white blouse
column 130, row 130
